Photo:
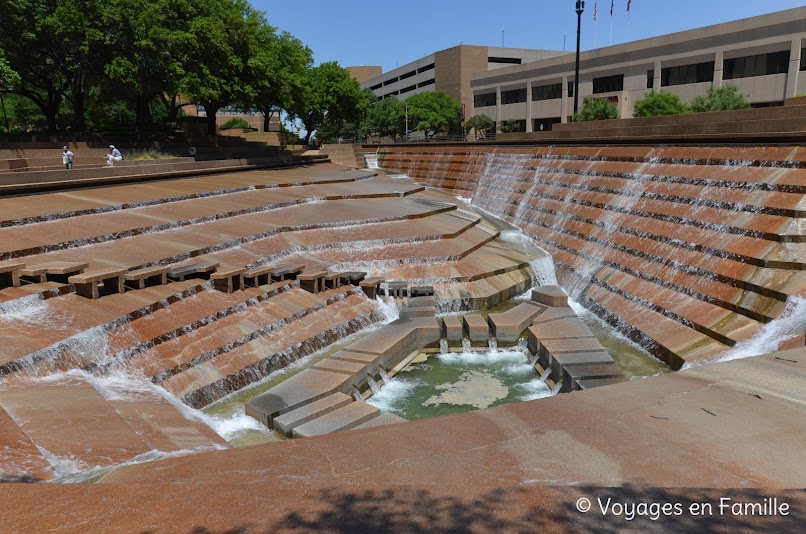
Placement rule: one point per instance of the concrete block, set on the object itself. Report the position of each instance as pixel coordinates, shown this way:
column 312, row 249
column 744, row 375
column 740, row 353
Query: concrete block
column 417, row 312
column 552, row 314
column 588, row 383
column 290, row 420
column 476, row 328
column 571, row 327
column 507, row 326
column 344, row 418
column 421, row 302
column 550, row 296
column 452, row 327
column 308, row 386
column 341, row 366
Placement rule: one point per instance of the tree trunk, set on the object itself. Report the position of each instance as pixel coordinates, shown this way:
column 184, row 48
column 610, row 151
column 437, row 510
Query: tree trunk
column 211, row 109
column 79, row 99
column 141, row 117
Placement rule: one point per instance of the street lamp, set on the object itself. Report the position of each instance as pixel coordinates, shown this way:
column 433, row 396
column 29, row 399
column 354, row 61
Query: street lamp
column 580, row 8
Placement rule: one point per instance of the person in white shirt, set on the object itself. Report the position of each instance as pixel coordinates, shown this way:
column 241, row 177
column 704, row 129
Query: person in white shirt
column 113, row 156
column 67, row 158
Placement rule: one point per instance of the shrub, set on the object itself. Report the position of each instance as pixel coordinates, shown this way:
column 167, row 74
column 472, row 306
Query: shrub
column 235, row 122
column 480, row 123
column 510, row 126
column 596, row 109
column 724, row 98
column 661, row 103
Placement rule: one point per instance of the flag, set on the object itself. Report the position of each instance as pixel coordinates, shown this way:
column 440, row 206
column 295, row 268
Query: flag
column 611, row 7
column 595, row 10
column 628, row 5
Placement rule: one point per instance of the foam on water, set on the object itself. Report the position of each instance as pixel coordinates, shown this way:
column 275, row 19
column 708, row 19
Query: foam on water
column 393, row 393
column 480, row 358
column 389, row 309
column 229, row 427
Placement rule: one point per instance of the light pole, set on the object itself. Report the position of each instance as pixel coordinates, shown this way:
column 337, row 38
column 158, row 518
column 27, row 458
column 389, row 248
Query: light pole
column 580, row 9
column 464, row 132
column 407, row 121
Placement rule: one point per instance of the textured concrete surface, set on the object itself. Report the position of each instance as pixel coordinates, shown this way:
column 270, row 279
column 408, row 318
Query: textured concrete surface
column 728, row 430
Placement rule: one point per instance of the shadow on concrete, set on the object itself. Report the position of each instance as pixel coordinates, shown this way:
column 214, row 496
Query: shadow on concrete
column 541, row 509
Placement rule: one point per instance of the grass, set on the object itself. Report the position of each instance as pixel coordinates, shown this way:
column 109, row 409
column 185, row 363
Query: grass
column 147, row 154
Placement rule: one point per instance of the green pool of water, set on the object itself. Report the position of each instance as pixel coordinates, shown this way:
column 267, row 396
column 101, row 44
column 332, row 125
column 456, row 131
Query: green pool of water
column 460, row 382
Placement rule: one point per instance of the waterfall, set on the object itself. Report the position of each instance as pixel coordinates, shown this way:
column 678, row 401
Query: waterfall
column 466, row 348
column 790, row 323
column 492, row 344
column 373, row 385
column 443, row 345
column 372, row 160
column 384, row 376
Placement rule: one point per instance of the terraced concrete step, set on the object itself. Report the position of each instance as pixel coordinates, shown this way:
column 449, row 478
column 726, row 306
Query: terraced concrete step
column 383, row 419
column 20, row 460
column 290, row 420
column 507, row 326
column 344, row 418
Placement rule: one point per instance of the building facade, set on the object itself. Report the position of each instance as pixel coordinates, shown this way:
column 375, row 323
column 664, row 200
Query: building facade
column 764, row 56
column 450, row 70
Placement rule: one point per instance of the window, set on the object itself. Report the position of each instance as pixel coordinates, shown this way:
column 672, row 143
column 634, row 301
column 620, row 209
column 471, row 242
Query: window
column 514, row 96
column 376, row 87
column 512, row 60
column 608, row 84
column 408, row 74
column 547, row 92
column 685, row 74
column 571, row 89
column 485, row 100
column 427, row 67
column 758, row 65
column 409, row 88
column 650, row 78
column 545, row 125
column 390, row 81
column 425, row 83
column 803, row 59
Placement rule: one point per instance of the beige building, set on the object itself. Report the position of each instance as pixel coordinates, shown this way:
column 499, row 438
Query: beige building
column 450, row 70
column 364, row 73
column 763, row 55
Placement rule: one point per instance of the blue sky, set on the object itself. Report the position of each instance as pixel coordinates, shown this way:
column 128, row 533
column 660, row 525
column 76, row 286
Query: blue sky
column 358, row 32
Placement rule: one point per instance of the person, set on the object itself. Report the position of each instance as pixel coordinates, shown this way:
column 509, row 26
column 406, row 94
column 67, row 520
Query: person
column 113, row 156
column 67, row 158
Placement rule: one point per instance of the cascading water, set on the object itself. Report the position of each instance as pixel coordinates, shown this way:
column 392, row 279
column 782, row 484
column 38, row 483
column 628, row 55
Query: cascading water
column 466, row 345
column 443, row 345
column 492, row 344
column 372, row 160
column 789, row 324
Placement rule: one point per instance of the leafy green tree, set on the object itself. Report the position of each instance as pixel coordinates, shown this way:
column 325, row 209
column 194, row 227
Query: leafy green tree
column 510, row 126
column 277, row 71
column 433, row 112
column 385, row 118
column 596, row 109
column 331, row 95
column 724, row 98
column 481, row 123
column 7, row 74
column 224, row 37
column 661, row 103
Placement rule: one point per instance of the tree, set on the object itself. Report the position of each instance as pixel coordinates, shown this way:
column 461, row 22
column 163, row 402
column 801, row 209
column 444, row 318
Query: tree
column 277, row 71
column 433, row 112
column 7, row 74
column 596, row 109
column 224, row 35
column 329, row 94
column 480, row 123
column 724, row 98
column 661, row 103
column 385, row 118
column 510, row 126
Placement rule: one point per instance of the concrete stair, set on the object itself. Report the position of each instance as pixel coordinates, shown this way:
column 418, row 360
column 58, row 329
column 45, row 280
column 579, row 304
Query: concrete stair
column 344, row 418
column 66, row 425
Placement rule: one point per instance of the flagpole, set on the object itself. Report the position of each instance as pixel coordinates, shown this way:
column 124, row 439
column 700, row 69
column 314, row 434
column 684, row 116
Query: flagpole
column 611, row 30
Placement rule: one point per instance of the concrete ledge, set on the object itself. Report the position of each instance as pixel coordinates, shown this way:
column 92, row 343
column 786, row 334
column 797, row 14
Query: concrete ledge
column 553, row 296
column 507, row 326
column 383, row 419
column 290, row 420
column 303, row 388
column 345, row 418
column 476, row 328
column 452, row 327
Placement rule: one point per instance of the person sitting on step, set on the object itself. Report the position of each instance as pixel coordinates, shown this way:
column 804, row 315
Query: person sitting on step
column 113, row 156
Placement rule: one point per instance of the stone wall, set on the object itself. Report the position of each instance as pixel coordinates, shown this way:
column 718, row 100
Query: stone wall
column 688, row 250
